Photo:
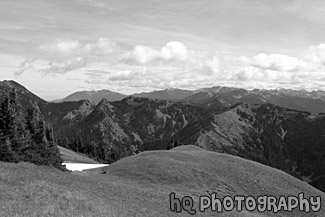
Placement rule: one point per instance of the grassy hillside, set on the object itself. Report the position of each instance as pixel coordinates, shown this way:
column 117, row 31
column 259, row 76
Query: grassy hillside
column 71, row 156
column 140, row 185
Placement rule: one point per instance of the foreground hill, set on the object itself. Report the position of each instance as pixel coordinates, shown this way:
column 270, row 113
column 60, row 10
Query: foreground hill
column 140, row 186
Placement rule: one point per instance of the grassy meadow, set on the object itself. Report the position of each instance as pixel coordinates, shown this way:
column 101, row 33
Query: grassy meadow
column 140, row 185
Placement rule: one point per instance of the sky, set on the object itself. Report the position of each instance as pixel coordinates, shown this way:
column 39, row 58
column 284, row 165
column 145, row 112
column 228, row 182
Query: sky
column 55, row 48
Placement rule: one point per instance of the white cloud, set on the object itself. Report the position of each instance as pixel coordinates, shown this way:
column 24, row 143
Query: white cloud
column 68, row 65
column 315, row 54
column 172, row 51
column 93, row 3
column 206, row 66
column 252, row 73
column 176, row 55
column 125, row 75
column 62, row 48
column 140, row 54
column 276, row 62
column 24, row 66
column 284, row 69
column 51, row 67
column 63, row 55
column 102, row 47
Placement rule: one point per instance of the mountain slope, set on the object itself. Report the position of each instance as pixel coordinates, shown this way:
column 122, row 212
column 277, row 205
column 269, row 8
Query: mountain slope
column 26, row 98
column 65, row 114
column 69, row 156
column 117, row 129
column 140, row 186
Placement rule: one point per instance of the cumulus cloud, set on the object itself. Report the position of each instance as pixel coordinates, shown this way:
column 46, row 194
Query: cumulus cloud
column 315, row 54
column 62, row 48
column 206, row 66
column 103, row 46
column 63, row 55
column 122, row 75
column 172, row 51
column 276, row 62
column 283, row 68
column 175, row 54
column 257, row 74
column 67, row 65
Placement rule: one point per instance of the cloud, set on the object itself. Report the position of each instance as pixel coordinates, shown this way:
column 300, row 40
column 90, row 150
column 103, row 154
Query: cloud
column 282, row 68
column 51, row 67
column 207, row 65
column 93, row 3
column 277, row 62
column 67, row 65
column 252, row 73
column 315, row 54
column 172, row 51
column 25, row 65
column 101, row 47
column 62, row 48
column 128, row 75
column 64, row 55
column 174, row 54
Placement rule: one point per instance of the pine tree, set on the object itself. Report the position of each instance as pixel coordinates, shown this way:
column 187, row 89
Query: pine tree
column 6, row 119
column 6, row 152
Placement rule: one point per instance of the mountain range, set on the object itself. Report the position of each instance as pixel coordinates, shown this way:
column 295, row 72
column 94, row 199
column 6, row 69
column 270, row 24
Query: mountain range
column 303, row 100
column 260, row 125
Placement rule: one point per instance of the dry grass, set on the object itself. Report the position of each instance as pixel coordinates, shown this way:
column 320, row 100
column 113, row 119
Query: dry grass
column 140, row 185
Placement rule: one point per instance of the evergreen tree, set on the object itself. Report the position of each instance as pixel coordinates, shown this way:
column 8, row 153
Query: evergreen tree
column 6, row 152
column 6, row 119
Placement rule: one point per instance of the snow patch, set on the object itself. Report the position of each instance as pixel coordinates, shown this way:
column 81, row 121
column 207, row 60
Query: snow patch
column 81, row 166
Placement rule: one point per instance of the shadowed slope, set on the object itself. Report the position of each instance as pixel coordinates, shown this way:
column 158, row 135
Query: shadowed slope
column 71, row 156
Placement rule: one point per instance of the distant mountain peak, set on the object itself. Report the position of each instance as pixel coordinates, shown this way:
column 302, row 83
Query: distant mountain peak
column 94, row 96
